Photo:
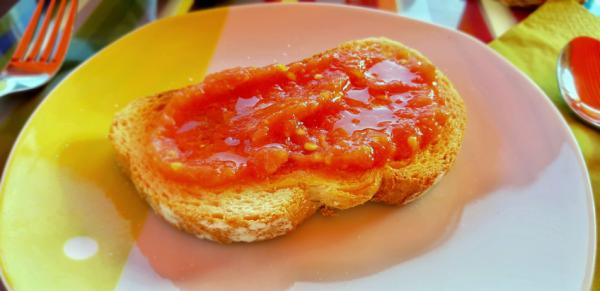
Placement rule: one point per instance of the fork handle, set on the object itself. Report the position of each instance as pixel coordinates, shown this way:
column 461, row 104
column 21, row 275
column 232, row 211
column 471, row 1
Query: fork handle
column 11, row 84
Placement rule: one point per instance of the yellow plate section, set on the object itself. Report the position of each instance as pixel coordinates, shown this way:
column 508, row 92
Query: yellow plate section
column 62, row 194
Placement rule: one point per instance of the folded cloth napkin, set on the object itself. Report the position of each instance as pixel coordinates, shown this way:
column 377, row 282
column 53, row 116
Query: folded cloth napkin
column 534, row 46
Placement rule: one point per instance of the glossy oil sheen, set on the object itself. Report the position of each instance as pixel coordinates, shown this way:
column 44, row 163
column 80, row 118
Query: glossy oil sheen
column 345, row 112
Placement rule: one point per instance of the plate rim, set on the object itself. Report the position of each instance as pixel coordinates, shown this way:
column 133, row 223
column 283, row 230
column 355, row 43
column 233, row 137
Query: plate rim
column 593, row 231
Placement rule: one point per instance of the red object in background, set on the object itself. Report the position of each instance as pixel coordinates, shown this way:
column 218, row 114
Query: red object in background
column 473, row 23
column 585, row 66
column 388, row 5
column 368, row 3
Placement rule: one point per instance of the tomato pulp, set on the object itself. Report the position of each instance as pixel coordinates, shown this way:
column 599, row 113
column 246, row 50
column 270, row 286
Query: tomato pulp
column 344, row 111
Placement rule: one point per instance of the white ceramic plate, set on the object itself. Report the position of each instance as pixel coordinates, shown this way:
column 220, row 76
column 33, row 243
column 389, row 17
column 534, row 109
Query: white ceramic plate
column 514, row 213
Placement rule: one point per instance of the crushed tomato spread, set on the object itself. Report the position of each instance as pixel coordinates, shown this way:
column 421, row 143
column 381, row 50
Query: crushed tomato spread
column 344, row 111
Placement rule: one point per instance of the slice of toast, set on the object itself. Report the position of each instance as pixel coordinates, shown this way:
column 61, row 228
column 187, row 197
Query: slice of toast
column 267, row 209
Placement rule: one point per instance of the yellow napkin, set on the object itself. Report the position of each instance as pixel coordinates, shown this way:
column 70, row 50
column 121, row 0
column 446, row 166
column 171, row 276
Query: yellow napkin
column 534, row 46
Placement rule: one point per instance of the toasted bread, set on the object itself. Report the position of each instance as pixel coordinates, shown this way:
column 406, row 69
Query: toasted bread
column 267, row 209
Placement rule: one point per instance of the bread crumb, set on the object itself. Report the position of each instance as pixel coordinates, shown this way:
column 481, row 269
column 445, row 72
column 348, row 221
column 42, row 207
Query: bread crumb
column 328, row 211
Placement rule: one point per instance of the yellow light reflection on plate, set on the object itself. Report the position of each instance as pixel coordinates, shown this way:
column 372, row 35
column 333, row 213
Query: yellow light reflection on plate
column 61, row 181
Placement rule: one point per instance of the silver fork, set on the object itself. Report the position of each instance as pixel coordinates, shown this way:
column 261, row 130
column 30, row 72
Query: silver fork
column 42, row 50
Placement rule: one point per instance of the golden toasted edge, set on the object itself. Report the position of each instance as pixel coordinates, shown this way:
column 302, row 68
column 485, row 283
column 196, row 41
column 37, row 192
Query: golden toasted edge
column 403, row 185
column 249, row 213
column 272, row 208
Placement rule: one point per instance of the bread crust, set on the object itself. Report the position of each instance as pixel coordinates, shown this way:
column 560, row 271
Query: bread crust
column 267, row 209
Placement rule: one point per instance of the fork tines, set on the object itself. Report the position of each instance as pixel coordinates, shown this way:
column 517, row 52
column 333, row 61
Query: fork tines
column 48, row 33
